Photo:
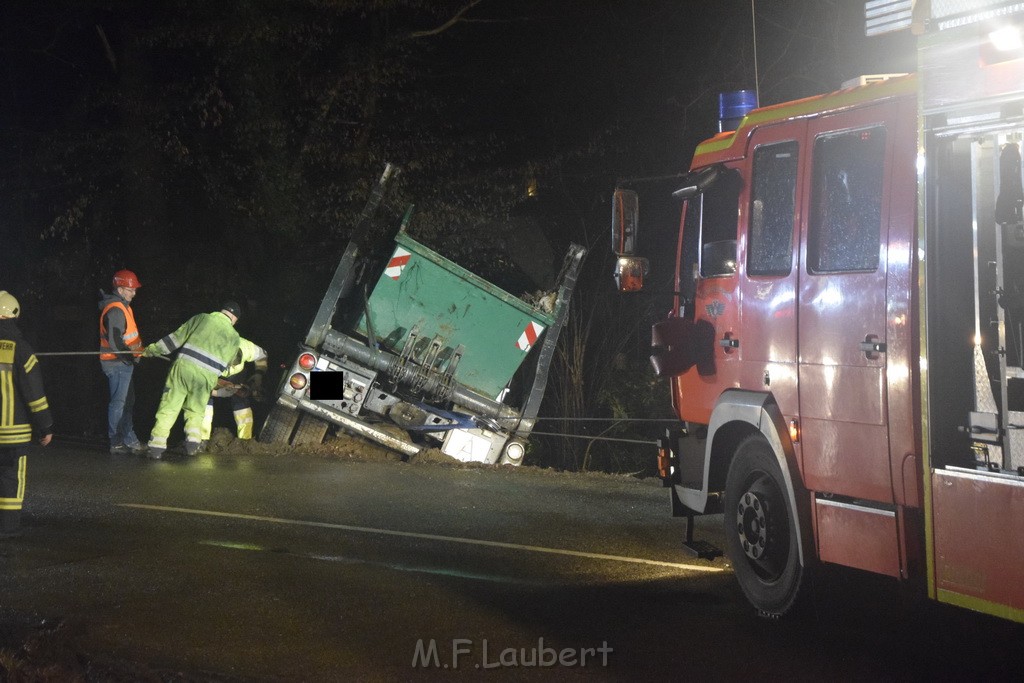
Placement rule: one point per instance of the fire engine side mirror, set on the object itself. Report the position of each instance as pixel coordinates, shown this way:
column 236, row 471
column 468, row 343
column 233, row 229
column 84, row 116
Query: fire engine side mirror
column 629, row 273
column 629, row 268
column 696, row 182
column 625, row 222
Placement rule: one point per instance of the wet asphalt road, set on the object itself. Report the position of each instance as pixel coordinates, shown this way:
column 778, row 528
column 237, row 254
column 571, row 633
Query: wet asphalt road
column 300, row 568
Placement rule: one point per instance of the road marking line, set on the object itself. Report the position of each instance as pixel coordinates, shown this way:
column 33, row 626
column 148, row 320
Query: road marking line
column 494, row 578
column 428, row 537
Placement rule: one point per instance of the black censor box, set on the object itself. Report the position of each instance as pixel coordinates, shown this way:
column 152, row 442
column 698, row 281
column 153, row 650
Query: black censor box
column 327, row 385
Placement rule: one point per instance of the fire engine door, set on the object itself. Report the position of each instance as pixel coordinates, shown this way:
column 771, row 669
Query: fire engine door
column 768, row 346
column 977, row 507
column 842, row 304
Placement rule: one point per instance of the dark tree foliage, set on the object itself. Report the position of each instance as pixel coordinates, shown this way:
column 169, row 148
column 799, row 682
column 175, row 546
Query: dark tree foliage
column 222, row 149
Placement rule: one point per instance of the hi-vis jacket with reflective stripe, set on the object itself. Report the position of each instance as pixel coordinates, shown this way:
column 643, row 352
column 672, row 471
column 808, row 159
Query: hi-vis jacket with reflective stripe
column 117, row 329
column 22, row 399
column 207, row 340
column 248, row 352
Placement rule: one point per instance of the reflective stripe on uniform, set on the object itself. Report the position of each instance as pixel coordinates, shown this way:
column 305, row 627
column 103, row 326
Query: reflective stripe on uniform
column 7, row 398
column 203, row 360
column 207, row 423
column 243, row 423
column 15, row 434
column 16, row 502
column 168, row 344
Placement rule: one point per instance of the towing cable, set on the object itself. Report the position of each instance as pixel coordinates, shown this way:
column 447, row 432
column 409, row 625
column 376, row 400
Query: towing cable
column 601, row 419
column 92, row 353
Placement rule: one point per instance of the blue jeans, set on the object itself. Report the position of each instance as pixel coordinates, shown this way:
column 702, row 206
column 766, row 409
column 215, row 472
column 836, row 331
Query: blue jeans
column 122, row 402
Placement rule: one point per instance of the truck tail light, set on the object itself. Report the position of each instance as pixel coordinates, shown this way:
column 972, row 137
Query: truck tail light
column 307, row 361
column 664, row 463
column 297, row 381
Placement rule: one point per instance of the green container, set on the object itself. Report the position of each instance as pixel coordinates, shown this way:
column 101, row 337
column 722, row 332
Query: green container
column 420, row 289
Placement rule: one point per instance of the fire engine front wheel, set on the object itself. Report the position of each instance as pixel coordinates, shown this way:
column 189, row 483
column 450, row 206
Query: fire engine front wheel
column 760, row 533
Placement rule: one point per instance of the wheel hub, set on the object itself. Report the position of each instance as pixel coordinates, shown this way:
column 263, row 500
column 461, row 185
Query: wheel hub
column 752, row 524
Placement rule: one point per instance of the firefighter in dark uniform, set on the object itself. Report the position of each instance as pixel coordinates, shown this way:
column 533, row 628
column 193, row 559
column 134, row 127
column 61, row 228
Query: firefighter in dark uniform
column 22, row 404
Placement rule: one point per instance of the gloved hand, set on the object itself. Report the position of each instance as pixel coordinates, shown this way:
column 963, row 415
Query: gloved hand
column 150, row 351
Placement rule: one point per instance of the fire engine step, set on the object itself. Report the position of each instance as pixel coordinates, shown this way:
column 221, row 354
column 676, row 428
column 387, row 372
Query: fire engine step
column 699, row 549
column 702, row 550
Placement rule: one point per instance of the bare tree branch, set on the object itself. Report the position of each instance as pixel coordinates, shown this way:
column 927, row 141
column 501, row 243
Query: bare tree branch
column 448, row 24
column 107, row 50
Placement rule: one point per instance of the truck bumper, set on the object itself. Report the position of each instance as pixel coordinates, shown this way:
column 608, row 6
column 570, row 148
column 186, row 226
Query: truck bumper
column 351, row 424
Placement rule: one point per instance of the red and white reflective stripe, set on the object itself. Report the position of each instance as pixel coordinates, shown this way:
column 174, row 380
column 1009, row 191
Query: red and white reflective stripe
column 397, row 263
column 529, row 336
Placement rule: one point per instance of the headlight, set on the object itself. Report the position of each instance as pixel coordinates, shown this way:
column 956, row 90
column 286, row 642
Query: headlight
column 514, row 452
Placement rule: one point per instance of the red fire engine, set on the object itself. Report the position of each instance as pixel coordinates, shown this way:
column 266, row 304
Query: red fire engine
column 846, row 346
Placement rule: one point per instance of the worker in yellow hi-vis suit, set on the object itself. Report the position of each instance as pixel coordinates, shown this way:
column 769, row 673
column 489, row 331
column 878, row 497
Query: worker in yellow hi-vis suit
column 240, row 389
column 206, row 345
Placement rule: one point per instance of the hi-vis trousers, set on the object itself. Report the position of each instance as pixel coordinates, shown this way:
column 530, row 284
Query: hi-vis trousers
column 187, row 390
column 241, row 407
column 243, row 421
column 12, row 488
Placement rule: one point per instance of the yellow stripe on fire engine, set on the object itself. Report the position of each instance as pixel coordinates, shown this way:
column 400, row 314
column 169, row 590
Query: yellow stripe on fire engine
column 980, row 605
column 817, row 104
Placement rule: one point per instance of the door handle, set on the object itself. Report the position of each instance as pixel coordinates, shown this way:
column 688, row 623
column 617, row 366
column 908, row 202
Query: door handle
column 872, row 347
column 729, row 342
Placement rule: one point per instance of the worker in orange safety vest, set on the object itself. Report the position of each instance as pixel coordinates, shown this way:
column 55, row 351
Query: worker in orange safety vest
column 118, row 332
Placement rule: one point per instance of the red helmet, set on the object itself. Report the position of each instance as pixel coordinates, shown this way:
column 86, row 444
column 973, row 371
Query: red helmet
column 126, row 278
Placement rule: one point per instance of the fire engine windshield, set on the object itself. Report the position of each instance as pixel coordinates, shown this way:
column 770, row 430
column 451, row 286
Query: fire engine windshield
column 712, row 215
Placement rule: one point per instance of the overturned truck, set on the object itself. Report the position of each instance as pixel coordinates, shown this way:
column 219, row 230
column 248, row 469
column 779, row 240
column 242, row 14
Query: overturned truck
column 423, row 357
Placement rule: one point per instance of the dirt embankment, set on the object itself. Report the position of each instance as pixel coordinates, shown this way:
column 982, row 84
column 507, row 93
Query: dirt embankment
column 347, row 447
column 341, row 446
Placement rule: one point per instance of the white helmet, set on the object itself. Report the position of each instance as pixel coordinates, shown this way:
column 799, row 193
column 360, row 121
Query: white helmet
column 9, row 307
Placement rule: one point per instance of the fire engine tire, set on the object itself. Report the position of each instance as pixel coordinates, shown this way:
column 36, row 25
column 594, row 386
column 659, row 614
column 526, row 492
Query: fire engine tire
column 311, row 431
column 279, row 425
column 760, row 534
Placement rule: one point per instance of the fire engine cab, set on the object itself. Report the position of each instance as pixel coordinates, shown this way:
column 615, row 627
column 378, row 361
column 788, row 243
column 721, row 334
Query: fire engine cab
column 846, row 343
